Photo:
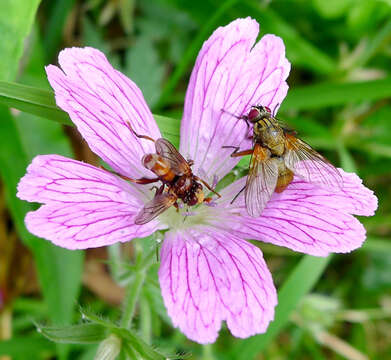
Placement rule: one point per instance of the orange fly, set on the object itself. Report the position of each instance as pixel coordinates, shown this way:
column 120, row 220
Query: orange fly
column 276, row 156
column 178, row 180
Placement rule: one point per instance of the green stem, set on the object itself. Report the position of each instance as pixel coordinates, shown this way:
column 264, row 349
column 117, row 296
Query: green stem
column 207, row 352
column 130, row 352
column 132, row 294
column 145, row 320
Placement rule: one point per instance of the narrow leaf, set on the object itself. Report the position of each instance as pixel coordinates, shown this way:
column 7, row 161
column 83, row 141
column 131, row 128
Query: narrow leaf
column 75, row 334
column 16, row 18
column 298, row 284
column 32, row 100
column 41, row 102
column 331, row 94
column 26, row 347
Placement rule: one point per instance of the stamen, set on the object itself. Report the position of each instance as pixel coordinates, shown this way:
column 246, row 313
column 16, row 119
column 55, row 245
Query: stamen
column 215, row 181
column 188, row 213
column 211, row 203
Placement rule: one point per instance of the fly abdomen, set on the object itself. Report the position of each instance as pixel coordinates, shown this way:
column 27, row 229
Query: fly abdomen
column 285, row 176
column 157, row 164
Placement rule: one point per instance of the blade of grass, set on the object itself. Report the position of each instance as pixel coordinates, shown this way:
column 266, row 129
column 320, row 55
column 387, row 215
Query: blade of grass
column 373, row 45
column 16, row 17
column 298, row 284
column 26, row 347
column 41, row 102
column 32, row 100
column 332, row 94
column 55, row 26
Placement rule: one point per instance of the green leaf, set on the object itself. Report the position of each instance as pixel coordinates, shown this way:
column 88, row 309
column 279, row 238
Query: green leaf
column 126, row 10
column 26, row 347
column 377, row 244
column 332, row 94
column 16, row 18
column 298, row 284
column 32, row 100
column 374, row 44
column 169, row 128
column 332, row 8
column 75, row 334
column 41, row 103
column 146, row 351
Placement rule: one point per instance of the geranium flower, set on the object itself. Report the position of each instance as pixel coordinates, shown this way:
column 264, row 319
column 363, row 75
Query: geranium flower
column 209, row 272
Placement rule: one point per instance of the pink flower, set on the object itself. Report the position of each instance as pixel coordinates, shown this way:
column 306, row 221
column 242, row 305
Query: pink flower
column 208, row 272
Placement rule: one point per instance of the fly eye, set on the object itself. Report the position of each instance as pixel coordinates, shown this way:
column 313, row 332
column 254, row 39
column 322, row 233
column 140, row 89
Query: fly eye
column 253, row 115
column 148, row 161
column 268, row 109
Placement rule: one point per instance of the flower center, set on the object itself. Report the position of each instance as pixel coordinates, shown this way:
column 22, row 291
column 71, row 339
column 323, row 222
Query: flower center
column 186, row 217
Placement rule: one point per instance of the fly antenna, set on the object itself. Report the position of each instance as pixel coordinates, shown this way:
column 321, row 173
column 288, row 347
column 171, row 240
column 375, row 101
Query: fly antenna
column 243, row 117
column 274, row 110
column 233, row 115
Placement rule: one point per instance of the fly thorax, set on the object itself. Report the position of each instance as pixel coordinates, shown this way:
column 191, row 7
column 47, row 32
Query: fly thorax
column 259, row 128
column 194, row 195
column 273, row 138
column 183, row 184
column 277, row 148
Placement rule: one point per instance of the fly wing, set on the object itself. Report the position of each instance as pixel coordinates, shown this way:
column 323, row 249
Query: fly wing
column 155, row 207
column 307, row 163
column 168, row 151
column 261, row 181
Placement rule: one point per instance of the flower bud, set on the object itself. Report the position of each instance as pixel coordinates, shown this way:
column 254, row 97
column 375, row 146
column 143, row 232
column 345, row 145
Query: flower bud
column 109, row 348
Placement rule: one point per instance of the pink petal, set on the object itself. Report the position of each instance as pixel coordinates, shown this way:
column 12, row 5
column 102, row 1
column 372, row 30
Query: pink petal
column 306, row 217
column 230, row 74
column 100, row 101
column 84, row 206
column 208, row 276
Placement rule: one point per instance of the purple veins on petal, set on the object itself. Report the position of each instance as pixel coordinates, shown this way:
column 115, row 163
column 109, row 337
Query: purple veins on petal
column 101, row 101
column 208, row 276
column 230, row 74
column 83, row 207
column 308, row 218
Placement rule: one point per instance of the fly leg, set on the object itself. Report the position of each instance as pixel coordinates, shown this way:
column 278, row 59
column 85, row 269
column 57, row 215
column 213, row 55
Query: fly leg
column 243, row 117
column 138, row 135
column 159, row 190
column 142, row 181
column 237, row 153
column 236, row 196
column 207, row 185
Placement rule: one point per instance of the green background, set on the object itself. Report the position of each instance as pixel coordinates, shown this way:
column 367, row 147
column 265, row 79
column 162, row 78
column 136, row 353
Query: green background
column 340, row 86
